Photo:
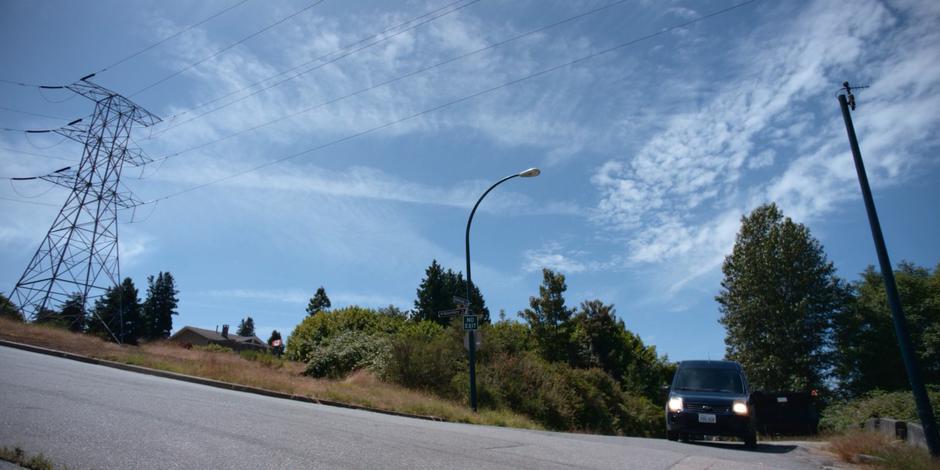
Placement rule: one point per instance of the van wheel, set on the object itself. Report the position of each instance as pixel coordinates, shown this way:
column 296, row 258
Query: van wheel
column 750, row 439
column 672, row 435
column 684, row 437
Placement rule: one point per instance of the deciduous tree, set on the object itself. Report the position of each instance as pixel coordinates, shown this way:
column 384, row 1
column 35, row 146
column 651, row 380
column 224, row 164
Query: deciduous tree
column 778, row 297
column 867, row 354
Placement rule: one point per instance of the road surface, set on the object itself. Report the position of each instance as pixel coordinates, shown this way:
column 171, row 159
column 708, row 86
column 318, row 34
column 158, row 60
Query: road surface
column 91, row 416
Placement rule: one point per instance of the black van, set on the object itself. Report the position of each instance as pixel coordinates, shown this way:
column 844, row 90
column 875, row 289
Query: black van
column 710, row 398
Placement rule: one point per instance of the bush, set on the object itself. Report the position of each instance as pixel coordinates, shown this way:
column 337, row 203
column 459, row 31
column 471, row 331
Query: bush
column 337, row 356
column 877, row 404
column 426, row 356
column 314, row 329
column 564, row 398
column 264, row 357
column 214, row 348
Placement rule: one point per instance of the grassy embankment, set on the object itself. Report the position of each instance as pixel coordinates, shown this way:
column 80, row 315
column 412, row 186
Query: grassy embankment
column 878, row 451
column 360, row 388
column 36, row 462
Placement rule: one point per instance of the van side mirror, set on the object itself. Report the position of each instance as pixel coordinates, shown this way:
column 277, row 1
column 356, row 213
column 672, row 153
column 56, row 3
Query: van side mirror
column 664, row 392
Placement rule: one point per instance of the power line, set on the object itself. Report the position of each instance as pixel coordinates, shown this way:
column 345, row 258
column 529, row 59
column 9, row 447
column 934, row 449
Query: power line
column 392, row 80
column 35, row 203
column 462, row 99
column 135, row 54
column 220, row 51
column 174, row 35
column 28, row 113
column 7, row 149
column 338, row 57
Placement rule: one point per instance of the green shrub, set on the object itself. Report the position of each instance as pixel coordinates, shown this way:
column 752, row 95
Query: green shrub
column 214, row 348
column 263, row 357
column 316, row 328
column 337, row 356
column 564, row 398
column 426, row 356
column 877, row 404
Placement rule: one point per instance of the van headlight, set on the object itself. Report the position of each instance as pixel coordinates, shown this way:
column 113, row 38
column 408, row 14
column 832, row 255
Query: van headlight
column 675, row 404
column 739, row 408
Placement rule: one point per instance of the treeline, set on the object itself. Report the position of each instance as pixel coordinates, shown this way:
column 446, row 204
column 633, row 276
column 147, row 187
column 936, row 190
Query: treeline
column 576, row 369
column 796, row 325
column 118, row 315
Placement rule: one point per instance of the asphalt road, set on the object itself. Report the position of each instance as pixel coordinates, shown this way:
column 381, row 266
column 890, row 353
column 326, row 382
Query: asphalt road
column 90, row 416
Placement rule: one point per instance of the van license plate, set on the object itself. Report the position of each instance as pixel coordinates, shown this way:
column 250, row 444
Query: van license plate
column 706, row 418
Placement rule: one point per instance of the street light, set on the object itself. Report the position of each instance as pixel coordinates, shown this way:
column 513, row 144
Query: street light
column 472, row 346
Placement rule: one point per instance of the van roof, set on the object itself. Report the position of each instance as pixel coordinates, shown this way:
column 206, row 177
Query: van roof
column 711, row 364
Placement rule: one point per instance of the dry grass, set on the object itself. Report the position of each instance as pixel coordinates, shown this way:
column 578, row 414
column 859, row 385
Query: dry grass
column 889, row 453
column 36, row 462
column 360, row 388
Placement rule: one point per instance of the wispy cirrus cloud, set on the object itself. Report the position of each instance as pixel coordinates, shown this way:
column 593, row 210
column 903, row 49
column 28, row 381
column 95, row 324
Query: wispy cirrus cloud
column 301, row 297
column 774, row 134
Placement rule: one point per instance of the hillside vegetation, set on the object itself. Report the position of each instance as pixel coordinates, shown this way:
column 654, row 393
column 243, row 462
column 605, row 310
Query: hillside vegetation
column 258, row 370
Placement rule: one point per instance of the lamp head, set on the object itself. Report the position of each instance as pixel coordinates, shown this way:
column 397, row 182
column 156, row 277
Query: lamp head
column 530, row 173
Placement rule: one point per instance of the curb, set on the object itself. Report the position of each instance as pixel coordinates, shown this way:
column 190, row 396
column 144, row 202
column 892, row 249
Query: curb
column 209, row 382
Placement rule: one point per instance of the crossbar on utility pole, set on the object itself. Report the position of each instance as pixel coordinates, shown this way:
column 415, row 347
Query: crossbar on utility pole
column 924, row 410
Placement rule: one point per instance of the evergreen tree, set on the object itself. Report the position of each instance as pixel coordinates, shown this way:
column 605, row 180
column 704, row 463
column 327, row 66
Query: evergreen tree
column 437, row 291
column 117, row 303
column 319, row 302
column 72, row 314
column 246, row 327
column 549, row 319
column 159, row 306
column 778, row 297
column 867, row 354
column 8, row 309
column 48, row 316
column 278, row 349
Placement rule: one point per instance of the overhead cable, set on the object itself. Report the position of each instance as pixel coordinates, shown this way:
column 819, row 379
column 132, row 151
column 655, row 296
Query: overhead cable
column 176, row 34
column 393, row 80
column 462, row 99
column 226, row 48
column 340, row 53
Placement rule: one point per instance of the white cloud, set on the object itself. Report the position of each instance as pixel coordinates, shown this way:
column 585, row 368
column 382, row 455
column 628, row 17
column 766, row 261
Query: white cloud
column 301, row 297
column 679, row 198
column 550, row 256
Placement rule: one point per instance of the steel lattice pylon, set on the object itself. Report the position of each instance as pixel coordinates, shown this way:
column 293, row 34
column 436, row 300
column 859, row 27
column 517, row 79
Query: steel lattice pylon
column 80, row 251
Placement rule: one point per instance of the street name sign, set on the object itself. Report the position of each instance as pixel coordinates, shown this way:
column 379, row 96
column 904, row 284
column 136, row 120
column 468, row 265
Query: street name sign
column 451, row 313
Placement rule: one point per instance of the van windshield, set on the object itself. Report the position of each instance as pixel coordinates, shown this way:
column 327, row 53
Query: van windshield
column 708, row 379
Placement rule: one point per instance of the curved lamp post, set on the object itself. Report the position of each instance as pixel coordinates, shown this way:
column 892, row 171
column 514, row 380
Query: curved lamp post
column 472, row 346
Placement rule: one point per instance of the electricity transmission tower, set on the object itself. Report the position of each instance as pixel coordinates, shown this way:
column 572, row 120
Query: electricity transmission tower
column 79, row 254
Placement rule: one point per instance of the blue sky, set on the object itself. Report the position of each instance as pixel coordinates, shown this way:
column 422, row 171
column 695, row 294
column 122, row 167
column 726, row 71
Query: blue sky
column 650, row 153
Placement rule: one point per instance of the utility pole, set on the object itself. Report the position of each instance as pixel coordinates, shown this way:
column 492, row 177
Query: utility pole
column 80, row 251
column 924, row 410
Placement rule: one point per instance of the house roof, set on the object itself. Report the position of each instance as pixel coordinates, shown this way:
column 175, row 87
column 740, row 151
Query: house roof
column 216, row 336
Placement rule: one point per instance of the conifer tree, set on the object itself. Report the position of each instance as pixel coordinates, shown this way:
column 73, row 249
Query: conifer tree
column 159, row 306
column 246, row 327
column 118, row 303
column 319, row 302
column 436, row 293
column 549, row 319
column 72, row 314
